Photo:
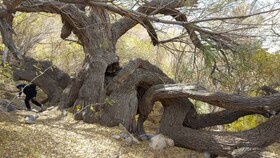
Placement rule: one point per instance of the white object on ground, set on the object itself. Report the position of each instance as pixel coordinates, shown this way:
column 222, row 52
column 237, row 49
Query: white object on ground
column 159, row 142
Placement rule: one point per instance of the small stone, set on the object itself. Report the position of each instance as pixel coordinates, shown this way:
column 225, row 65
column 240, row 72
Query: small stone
column 64, row 112
column 30, row 119
column 146, row 137
column 5, row 105
column 117, row 137
column 207, row 154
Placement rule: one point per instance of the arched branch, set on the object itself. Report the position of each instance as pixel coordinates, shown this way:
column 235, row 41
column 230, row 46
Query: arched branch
column 151, row 31
column 197, row 121
column 73, row 17
column 236, row 102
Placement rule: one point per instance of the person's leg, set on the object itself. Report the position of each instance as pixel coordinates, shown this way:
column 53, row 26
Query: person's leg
column 26, row 101
column 34, row 101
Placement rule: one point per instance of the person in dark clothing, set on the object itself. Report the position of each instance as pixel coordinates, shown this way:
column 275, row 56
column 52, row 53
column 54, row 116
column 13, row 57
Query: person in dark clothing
column 30, row 94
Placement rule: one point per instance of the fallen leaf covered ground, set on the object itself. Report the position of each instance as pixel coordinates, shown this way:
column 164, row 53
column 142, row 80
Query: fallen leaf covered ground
column 58, row 136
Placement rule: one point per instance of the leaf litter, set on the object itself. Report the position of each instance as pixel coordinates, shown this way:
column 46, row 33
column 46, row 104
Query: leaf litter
column 55, row 135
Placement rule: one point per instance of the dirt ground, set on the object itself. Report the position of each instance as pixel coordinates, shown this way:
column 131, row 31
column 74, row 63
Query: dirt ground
column 58, row 136
column 55, row 135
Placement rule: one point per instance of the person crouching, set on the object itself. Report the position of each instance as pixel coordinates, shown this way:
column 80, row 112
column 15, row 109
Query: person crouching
column 30, row 94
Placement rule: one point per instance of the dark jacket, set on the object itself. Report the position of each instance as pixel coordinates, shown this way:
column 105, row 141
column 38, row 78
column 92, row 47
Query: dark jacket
column 29, row 90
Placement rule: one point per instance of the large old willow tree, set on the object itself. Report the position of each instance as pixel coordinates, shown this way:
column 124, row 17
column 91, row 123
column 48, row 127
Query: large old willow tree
column 107, row 94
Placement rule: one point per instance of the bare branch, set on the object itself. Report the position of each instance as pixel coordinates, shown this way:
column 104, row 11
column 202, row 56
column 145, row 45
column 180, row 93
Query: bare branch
column 264, row 104
column 6, row 32
column 148, row 16
column 213, row 119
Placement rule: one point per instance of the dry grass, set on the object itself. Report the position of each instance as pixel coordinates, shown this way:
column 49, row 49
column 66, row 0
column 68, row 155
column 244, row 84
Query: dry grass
column 58, row 136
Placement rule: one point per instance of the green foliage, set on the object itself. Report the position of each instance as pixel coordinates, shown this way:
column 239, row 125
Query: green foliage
column 250, row 71
column 209, row 56
column 91, row 107
column 245, row 123
column 266, row 66
column 109, row 102
column 78, row 108
column 2, row 47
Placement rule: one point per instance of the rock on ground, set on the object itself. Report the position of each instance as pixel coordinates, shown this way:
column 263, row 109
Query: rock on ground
column 159, row 142
column 5, row 105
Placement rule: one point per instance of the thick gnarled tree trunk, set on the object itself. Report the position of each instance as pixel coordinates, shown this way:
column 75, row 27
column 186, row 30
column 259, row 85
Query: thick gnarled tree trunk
column 100, row 52
column 124, row 91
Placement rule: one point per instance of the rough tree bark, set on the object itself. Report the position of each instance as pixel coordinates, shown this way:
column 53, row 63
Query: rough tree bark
column 6, row 19
column 125, row 91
